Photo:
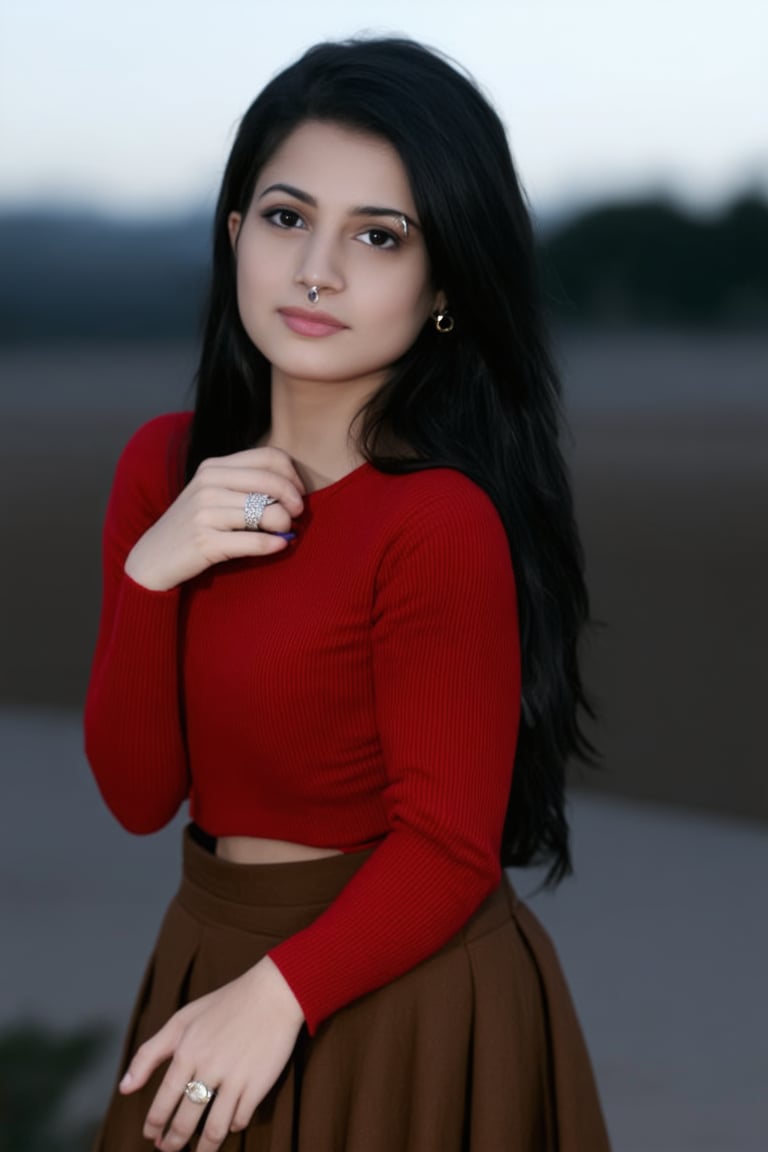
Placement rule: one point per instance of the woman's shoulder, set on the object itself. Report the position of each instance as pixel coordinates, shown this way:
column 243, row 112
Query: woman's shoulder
column 153, row 458
column 153, row 440
column 438, row 494
column 441, row 518
column 158, row 433
column 440, row 534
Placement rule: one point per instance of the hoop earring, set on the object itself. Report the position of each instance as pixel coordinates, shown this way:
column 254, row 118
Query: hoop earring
column 444, row 322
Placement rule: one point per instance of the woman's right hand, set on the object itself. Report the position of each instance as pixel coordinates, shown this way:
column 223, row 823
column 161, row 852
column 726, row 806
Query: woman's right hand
column 205, row 524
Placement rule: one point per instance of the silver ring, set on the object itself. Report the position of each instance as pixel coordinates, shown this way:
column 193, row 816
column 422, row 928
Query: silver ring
column 253, row 509
column 198, row 1092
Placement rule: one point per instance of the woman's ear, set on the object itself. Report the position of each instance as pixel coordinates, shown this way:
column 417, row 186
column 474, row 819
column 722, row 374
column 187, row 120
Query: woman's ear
column 440, row 302
column 234, row 220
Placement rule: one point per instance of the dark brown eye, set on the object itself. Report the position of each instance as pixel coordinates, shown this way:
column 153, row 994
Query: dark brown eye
column 284, row 218
column 379, row 238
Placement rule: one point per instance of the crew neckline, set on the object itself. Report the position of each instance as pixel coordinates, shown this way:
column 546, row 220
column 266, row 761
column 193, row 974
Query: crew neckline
column 335, row 486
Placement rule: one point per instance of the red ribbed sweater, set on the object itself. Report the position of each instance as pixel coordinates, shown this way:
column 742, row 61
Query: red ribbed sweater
column 359, row 689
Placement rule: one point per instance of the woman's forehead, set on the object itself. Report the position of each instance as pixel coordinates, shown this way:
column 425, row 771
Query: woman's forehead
column 339, row 165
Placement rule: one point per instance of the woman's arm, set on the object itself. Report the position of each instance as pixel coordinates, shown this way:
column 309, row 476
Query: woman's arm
column 447, row 688
column 133, row 731
column 157, row 535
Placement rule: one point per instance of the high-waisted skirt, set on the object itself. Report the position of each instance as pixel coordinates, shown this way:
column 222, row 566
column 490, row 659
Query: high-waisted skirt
column 477, row 1049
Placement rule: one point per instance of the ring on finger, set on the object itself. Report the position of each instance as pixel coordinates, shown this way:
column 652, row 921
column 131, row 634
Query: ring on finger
column 199, row 1092
column 253, row 509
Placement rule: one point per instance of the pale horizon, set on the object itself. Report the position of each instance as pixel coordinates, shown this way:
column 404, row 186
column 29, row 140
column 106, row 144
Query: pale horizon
column 130, row 111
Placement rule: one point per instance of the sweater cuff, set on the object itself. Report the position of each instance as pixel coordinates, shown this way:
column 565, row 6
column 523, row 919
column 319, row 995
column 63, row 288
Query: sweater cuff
column 290, row 974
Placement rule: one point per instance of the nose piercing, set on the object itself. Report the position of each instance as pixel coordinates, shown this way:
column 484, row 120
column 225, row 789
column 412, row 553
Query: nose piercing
column 314, row 294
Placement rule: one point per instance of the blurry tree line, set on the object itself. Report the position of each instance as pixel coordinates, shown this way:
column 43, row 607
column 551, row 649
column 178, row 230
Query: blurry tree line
column 653, row 263
column 66, row 277
column 40, row 1070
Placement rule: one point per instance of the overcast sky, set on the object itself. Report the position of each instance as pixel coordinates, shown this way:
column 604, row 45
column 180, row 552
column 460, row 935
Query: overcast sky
column 132, row 106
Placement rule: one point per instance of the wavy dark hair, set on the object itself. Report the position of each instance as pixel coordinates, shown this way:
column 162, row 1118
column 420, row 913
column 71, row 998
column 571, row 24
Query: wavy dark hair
column 484, row 400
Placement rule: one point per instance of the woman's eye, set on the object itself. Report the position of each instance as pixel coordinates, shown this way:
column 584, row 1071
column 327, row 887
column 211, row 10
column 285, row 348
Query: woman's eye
column 284, row 218
column 378, row 238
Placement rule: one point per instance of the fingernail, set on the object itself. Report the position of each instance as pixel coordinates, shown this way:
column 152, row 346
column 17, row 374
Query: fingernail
column 285, row 535
column 126, row 1082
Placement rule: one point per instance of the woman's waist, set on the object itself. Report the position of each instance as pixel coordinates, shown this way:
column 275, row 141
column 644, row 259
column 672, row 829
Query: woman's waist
column 262, row 850
column 248, row 827
column 279, row 899
column 279, row 896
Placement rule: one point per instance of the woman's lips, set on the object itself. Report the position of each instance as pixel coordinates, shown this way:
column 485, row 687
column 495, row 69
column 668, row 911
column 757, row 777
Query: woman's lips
column 310, row 323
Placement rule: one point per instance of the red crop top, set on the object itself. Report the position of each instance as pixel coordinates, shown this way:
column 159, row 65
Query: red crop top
column 361, row 688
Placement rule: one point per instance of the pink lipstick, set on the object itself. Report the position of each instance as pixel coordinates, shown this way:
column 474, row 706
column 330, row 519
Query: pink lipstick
column 310, row 323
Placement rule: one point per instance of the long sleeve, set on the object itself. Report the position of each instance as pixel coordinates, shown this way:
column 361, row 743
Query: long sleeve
column 447, row 693
column 133, row 730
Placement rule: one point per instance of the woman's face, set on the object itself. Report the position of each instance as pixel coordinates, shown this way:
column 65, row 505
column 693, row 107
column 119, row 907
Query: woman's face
column 332, row 208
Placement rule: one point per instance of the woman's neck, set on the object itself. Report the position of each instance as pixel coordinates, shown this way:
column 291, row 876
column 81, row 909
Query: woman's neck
column 313, row 423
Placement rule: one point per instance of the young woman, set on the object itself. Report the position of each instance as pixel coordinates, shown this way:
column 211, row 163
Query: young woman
column 342, row 601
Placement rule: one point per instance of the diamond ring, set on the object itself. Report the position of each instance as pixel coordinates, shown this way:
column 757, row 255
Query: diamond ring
column 253, row 509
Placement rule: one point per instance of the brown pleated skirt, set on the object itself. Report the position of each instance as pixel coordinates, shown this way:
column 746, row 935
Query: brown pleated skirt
column 478, row 1049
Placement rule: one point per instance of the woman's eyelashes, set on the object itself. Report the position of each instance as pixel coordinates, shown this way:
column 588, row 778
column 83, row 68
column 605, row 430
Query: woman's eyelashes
column 379, row 238
column 285, row 218
column 288, row 219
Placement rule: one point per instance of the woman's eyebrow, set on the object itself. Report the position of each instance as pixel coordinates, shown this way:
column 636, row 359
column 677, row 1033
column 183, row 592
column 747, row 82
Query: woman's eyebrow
column 375, row 210
column 359, row 210
column 290, row 191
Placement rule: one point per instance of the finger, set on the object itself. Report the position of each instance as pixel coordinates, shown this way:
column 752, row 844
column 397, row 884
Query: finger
column 224, row 511
column 246, row 1106
column 150, row 1055
column 212, row 479
column 273, row 459
column 169, row 1107
column 252, row 479
column 218, row 1124
column 180, row 1129
column 280, row 489
column 275, row 519
column 187, row 1119
column 238, row 545
column 242, row 483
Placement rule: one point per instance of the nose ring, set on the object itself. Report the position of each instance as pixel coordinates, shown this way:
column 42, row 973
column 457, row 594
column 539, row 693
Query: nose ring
column 314, row 294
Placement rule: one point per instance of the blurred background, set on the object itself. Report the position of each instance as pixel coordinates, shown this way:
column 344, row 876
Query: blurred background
column 641, row 137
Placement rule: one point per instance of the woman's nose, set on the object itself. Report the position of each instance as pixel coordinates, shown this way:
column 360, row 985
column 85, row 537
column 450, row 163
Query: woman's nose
column 320, row 263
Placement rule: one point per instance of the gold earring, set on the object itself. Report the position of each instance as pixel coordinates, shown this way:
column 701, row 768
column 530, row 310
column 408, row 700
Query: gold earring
column 444, row 322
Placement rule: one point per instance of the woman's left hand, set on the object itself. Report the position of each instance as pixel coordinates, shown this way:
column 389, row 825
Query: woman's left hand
column 236, row 1040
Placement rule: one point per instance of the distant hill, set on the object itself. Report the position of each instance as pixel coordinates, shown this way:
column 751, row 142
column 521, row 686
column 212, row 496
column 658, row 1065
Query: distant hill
column 76, row 277
column 650, row 262
column 79, row 277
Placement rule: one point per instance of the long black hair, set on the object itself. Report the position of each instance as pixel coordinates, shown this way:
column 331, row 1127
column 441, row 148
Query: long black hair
column 484, row 399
